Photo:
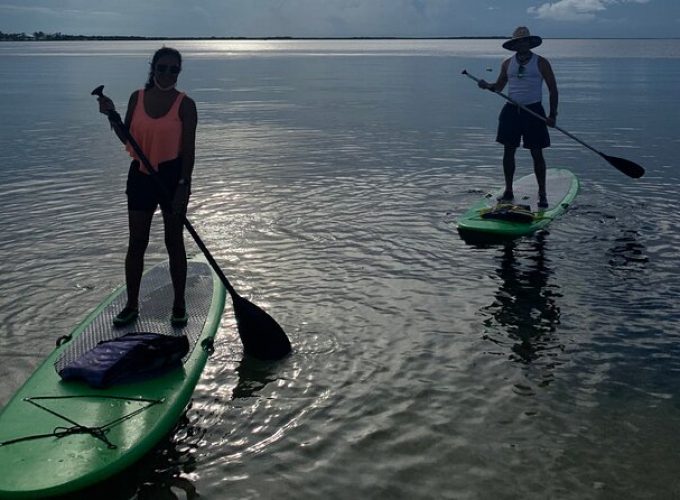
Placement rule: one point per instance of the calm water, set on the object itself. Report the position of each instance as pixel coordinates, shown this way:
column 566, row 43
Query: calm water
column 328, row 181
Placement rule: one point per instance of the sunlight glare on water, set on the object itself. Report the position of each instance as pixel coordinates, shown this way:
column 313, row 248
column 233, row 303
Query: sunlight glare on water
column 328, row 181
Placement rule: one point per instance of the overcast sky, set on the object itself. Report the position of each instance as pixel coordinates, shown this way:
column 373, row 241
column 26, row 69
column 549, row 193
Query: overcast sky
column 343, row 18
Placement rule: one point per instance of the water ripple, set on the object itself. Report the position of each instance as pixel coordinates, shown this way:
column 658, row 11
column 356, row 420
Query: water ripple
column 328, row 190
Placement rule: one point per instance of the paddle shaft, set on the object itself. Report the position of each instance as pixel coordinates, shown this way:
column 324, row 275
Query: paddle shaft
column 261, row 335
column 115, row 117
column 533, row 113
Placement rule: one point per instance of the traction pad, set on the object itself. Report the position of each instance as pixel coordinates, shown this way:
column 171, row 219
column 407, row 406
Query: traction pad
column 156, row 297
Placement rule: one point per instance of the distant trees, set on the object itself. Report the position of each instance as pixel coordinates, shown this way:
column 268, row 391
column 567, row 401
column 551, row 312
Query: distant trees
column 41, row 36
column 15, row 36
column 37, row 35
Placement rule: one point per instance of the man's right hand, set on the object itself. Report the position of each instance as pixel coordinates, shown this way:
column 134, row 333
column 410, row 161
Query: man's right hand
column 483, row 84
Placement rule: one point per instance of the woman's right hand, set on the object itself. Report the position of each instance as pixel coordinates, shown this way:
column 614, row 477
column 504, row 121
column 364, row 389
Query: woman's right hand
column 105, row 105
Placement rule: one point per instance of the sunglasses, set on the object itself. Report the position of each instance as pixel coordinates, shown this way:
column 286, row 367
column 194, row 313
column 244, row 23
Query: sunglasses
column 520, row 71
column 164, row 68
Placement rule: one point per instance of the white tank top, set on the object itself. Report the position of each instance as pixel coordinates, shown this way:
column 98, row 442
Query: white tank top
column 525, row 83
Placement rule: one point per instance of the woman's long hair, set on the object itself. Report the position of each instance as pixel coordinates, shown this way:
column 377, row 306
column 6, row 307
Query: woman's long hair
column 164, row 51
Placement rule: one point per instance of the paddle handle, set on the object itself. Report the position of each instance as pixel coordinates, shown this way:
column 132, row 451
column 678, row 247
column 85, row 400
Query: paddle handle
column 115, row 118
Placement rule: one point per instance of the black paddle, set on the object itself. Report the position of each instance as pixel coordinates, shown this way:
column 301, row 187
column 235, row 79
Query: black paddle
column 262, row 337
column 631, row 169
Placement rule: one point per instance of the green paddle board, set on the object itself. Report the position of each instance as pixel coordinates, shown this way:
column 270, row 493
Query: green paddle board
column 57, row 437
column 488, row 219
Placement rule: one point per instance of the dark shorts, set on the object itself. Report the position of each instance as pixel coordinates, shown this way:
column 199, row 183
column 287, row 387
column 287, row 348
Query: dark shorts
column 514, row 124
column 143, row 192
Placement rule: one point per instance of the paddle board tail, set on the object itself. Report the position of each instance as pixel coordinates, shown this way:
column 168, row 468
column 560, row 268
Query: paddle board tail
column 58, row 437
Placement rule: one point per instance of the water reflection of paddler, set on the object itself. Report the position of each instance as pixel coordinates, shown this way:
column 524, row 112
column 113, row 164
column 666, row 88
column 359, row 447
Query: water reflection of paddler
column 525, row 308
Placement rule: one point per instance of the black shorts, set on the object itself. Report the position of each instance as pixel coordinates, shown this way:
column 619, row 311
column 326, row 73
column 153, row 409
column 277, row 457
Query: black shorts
column 514, row 124
column 144, row 193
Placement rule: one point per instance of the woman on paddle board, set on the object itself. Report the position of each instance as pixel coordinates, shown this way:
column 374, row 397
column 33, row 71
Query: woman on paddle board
column 525, row 73
column 162, row 120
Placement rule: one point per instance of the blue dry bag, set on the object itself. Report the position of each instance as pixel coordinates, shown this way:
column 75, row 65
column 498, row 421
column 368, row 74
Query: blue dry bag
column 131, row 358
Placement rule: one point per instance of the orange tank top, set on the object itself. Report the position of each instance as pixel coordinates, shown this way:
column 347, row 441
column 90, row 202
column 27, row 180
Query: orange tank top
column 159, row 138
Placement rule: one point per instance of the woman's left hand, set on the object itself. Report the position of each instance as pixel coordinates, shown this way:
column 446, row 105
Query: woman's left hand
column 181, row 199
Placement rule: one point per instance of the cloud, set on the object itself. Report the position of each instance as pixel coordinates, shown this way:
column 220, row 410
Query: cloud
column 344, row 17
column 73, row 18
column 575, row 10
column 241, row 17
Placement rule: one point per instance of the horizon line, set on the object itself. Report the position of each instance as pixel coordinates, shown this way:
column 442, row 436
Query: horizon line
column 65, row 37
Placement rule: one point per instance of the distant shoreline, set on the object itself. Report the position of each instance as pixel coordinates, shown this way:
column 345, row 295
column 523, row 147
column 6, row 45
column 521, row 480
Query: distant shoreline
column 40, row 36
column 4, row 37
column 22, row 37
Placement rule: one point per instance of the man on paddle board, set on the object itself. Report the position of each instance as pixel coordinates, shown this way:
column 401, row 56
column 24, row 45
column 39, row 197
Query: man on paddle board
column 162, row 121
column 525, row 73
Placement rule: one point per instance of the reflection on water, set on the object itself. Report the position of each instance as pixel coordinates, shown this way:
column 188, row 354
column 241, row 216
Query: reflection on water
column 628, row 252
column 253, row 376
column 327, row 187
column 525, row 311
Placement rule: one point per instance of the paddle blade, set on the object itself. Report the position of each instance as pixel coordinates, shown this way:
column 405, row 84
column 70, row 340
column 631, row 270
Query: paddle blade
column 631, row 169
column 262, row 337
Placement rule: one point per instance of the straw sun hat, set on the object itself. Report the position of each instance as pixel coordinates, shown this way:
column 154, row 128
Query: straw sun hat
column 522, row 34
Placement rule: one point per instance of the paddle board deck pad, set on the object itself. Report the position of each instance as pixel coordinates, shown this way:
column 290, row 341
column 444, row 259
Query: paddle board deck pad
column 57, row 437
column 489, row 219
